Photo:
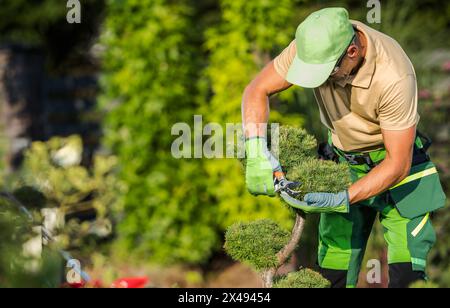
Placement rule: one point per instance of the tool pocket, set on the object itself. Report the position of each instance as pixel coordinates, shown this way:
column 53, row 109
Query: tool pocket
column 419, row 193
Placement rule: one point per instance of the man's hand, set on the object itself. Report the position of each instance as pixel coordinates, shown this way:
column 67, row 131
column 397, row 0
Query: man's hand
column 255, row 112
column 321, row 202
column 329, row 202
column 261, row 165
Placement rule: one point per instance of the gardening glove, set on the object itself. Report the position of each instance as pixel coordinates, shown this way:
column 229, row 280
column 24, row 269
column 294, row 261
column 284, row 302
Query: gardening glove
column 260, row 167
column 329, row 202
column 321, row 202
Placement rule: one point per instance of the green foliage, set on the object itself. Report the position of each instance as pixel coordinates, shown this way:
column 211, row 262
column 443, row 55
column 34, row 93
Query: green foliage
column 27, row 21
column 320, row 176
column 151, row 65
column 402, row 21
column 14, row 227
column 423, row 285
column 305, row 278
column 256, row 243
column 30, row 197
column 297, row 152
column 45, row 272
column 295, row 144
column 17, row 269
column 248, row 34
column 52, row 176
column 291, row 145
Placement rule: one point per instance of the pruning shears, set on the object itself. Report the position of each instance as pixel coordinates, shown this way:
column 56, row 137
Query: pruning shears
column 288, row 190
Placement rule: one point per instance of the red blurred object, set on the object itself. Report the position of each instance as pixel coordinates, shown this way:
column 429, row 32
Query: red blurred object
column 122, row 283
column 74, row 285
column 96, row 283
column 425, row 94
column 130, row 283
column 446, row 66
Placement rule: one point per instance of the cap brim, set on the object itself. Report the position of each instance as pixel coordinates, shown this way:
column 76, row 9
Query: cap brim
column 309, row 75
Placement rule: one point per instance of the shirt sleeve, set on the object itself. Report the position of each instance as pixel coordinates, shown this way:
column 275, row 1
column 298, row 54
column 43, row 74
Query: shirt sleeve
column 398, row 105
column 283, row 61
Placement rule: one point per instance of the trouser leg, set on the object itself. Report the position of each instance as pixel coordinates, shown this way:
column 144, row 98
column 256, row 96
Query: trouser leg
column 337, row 278
column 401, row 275
column 409, row 242
column 342, row 243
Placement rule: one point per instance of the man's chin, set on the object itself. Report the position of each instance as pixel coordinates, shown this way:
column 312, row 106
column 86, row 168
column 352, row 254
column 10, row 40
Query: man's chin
column 340, row 79
column 336, row 79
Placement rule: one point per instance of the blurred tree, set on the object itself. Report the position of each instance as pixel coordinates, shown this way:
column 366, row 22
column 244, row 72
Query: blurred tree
column 18, row 270
column 43, row 24
column 35, row 38
column 23, row 21
column 151, row 64
column 85, row 199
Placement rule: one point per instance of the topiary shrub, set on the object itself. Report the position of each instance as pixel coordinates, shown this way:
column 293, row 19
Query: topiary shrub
column 295, row 145
column 297, row 156
column 256, row 243
column 305, row 278
column 263, row 244
column 319, row 176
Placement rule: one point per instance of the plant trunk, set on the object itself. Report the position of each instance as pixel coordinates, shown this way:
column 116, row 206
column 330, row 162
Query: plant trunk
column 284, row 254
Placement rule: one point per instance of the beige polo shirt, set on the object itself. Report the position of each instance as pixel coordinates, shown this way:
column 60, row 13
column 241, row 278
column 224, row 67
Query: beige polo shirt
column 382, row 94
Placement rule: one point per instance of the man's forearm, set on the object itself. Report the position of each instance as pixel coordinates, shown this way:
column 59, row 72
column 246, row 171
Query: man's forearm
column 381, row 178
column 255, row 112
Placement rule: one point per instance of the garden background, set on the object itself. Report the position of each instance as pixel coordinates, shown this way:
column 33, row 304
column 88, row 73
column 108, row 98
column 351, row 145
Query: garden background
column 87, row 111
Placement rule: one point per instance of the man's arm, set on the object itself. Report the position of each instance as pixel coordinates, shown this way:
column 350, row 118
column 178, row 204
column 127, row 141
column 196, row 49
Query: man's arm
column 255, row 101
column 261, row 164
column 394, row 168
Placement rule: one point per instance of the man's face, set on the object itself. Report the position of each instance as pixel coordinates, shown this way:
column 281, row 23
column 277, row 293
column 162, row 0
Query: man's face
column 349, row 64
column 344, row 71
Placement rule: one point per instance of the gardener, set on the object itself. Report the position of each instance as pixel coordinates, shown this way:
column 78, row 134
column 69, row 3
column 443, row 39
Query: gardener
column 366, row 90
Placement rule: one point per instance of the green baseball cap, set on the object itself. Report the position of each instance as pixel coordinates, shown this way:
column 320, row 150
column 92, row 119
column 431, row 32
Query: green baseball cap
column 321, row 39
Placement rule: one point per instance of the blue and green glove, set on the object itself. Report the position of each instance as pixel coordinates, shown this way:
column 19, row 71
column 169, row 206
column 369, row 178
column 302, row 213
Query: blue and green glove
column 260, row 167
column 320, row 202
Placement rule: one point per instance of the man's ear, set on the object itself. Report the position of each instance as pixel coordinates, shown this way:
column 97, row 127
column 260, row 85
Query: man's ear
column 353, row 51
